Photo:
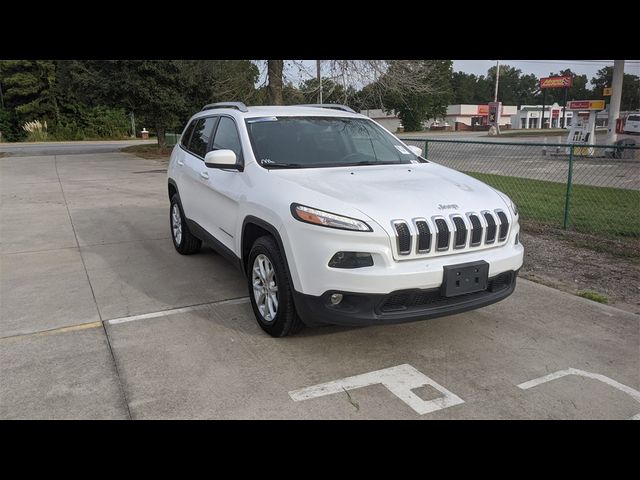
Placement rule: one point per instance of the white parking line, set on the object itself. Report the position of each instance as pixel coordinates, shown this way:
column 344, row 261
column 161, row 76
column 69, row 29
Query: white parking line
column 633, row 393
column 400, row 380
column 173, row 311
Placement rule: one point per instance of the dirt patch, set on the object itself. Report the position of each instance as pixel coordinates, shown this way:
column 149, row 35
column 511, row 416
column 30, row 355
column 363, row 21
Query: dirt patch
column 3, row 154
column 560, row 260
column 150, row 152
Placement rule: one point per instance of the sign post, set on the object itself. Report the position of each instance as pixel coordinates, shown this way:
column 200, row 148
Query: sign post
column 565, row 82
column 494, row 115
column 582, row 133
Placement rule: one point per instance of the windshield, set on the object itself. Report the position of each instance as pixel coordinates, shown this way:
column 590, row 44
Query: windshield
column 633, row 118
column 309, row 142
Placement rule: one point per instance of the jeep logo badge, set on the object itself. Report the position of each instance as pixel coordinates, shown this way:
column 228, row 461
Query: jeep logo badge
column 448, row 206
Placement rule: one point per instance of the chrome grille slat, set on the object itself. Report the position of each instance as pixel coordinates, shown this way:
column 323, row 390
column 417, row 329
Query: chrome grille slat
column 460, row 236
column 491, row 227
column 403, row 237
column 423, row 232
column 504, row 225
column 476, row 229
column 443, row 234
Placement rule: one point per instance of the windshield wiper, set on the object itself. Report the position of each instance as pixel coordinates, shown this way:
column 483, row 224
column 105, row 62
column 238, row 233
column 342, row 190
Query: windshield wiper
column 369, row 162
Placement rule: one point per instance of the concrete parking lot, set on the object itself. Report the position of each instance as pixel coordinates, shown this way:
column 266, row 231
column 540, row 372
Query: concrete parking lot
column 101, row 318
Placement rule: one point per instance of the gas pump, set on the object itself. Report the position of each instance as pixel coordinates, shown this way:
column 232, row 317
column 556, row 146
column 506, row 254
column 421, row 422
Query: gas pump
column 583, row 127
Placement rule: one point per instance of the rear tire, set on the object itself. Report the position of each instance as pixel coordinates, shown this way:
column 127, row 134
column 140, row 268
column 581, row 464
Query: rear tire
column 270, row 291
column 183, row 240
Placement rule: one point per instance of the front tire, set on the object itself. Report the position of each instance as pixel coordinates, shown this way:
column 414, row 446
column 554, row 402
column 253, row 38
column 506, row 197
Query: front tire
column 183, row 240
column 270, row 291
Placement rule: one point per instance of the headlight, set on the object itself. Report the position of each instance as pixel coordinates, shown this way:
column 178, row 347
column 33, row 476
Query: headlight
column 514, row 208
column 326, row 219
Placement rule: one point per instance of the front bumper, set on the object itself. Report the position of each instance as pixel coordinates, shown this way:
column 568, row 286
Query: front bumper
column 359, row 309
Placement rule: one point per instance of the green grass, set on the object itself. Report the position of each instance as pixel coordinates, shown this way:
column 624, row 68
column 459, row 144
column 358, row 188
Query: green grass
column 595, row 296
column 597, row 210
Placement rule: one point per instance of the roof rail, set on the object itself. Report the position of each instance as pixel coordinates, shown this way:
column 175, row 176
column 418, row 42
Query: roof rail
column 333, row 106
column 239, row 105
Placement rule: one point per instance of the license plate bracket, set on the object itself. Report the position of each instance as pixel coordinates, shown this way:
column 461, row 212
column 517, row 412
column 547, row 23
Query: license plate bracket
column 464, row 278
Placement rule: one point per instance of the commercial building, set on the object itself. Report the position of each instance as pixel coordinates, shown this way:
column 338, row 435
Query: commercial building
column 390, row 121
column 476, row 117
column 458, row 117
column 529, row 117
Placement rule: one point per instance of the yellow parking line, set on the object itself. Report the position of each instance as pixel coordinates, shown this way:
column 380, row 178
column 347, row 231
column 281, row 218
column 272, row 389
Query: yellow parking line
column 72, row 328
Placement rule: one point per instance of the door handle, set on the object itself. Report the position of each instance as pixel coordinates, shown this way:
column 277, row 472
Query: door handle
column 180, row 163
column 204, row 175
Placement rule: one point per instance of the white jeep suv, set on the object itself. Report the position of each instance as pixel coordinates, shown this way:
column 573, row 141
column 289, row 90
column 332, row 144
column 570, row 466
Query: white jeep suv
column 334, row 220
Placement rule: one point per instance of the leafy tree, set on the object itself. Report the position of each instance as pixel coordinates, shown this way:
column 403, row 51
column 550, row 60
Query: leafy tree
column 630, row 88
column 332, row 92
column 161, row 93
column 417, row 90
column 29, row 89
column 514, row 87
column 8, row 131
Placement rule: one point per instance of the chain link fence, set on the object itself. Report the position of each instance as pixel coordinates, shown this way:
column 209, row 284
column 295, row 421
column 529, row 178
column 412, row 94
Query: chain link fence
column 591, row 189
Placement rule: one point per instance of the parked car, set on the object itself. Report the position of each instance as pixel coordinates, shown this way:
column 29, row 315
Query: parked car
column 632, row 123
column 334, row 220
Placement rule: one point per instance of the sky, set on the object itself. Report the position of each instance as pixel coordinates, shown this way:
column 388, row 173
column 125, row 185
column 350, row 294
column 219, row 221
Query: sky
column 541, row 68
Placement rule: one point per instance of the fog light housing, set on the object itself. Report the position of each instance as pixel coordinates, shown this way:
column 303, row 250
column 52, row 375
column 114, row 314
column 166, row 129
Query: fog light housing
column 351, row 260
column 335, row 298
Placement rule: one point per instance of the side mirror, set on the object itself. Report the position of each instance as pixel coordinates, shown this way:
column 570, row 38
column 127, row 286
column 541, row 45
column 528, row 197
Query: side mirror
column 415, row 150
column 221, row 159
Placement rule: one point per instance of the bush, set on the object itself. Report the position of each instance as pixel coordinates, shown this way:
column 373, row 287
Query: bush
column 103, row 122
column 93, row 123
column 36, row 131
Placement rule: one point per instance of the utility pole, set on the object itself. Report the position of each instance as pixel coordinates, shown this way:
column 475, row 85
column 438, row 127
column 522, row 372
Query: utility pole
column 1, row 97
column 319, row 82
column 614, row 104
column 495, row 94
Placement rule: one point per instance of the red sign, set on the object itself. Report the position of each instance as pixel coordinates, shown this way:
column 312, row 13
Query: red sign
column 556, row 82
column 483, row 109
column 555, row 113
column 586, row 105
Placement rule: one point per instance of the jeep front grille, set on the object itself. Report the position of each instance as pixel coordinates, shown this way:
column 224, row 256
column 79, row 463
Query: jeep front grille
column 441, row 234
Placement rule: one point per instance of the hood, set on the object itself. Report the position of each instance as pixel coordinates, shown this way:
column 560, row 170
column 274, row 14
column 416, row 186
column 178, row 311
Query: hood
column 390, row 192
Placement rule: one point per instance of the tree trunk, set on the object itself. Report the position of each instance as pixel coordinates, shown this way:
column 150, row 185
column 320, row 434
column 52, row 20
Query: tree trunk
column 162, row 141
column 274, row 88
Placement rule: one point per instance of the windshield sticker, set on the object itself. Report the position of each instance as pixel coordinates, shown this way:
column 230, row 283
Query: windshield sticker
column 401, row 149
